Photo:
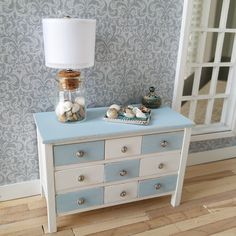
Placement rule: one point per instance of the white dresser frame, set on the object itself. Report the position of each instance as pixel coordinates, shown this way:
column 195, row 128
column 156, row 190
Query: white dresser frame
column 47, row 181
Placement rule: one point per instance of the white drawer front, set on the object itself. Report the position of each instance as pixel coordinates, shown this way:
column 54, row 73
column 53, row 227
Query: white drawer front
column 79, row 177
column 120, row 192
column 123, row 147
column 161, row 164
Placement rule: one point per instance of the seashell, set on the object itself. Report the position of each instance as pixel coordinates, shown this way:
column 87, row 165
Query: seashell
column 80, row 101
column 60, row 109
column 75, row 116
column 112, row 113
column 75, row 107
column 140, row 114
column 144, row 109
column 82, row 113
column 117, row 107
column 135, row 110
column 129, row 113
column 69, row 113
column 62, row 118
column 67, row 106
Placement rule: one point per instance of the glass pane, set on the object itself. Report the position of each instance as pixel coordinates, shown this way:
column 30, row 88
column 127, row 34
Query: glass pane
column 188, row 84
column 217, row 110
column 227, row 47
column 193, row 44
column 201, row 111
column 210, row 47
column 185, row 105
column 205, row 81
column 215, row 12
column 197, row 13
column 222, row 80
column 231, row 21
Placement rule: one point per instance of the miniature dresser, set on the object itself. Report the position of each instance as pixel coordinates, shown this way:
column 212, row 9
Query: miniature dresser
column 96, row 163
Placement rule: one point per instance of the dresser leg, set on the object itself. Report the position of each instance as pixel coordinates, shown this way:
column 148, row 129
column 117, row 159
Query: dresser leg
column 175, row 200
column 40, row 154
column 50, row 188
column 52, row 222
column 176, row 197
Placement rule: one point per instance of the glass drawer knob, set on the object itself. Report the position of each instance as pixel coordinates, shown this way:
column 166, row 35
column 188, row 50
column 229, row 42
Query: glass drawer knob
column 123, row 173
column 164, row 143
column 81, row 178
column 124, row 149
column 81, row 201
column 157, row 186
column 160, row 166
column 123, row 194
column 80, row 154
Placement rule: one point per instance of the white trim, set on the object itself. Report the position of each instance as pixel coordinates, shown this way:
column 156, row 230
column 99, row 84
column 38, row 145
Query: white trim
column 19, row 190
column 213, row 30
column 213, row 128
column 209, row 136
column 182, row 55
column 211, row 64
column 204, row 96
column 210, row 156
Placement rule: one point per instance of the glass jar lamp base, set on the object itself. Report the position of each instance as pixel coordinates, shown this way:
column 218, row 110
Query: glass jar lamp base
column 71, row 101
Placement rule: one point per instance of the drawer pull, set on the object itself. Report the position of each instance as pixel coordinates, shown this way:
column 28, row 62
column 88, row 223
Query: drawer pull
column 124, row 149
column 80, row 154
column 123, row 173
column 164, row 143
column 123, row 194
column 81, row 178
column 157, row 186
column 81, row 201
column 160, row 166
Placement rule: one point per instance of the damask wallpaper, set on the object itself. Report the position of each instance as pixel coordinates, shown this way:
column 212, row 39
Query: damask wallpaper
column 136, row 46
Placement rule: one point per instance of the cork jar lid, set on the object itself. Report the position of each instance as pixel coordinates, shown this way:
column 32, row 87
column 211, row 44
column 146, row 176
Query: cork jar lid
column 69, row 79
column 68, row 74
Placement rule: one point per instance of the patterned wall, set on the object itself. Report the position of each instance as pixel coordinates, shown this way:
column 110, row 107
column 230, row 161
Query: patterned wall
column 136, row 46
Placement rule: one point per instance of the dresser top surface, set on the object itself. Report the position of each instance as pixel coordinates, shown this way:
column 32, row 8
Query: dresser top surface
column 94, row 127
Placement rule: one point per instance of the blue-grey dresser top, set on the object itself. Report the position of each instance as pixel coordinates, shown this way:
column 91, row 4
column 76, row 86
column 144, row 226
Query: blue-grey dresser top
column 94, row 127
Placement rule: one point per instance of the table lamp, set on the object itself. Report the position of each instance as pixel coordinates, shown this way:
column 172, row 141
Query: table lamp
column 69, row 44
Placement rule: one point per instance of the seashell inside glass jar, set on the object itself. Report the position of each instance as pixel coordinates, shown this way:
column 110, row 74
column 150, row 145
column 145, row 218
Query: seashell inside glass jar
column 71, row 97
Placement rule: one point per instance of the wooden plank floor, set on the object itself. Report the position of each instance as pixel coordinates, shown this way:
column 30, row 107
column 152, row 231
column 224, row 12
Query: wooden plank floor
column 208, row 208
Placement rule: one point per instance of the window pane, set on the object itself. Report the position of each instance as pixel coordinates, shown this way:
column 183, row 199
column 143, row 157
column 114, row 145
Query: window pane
column 185, row 105
column 231, row 21
column 205, row 81
column 222, row 80
column 188, row 85
column 210, row 47
column 215, row 12
column 193, row 44
column 201, row 111
column 227, row 47
column 217, row 110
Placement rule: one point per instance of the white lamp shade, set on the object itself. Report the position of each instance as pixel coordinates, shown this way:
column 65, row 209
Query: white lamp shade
column 69, row 43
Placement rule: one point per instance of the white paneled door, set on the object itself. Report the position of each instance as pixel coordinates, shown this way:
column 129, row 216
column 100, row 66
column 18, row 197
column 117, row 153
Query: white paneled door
column 205, row 85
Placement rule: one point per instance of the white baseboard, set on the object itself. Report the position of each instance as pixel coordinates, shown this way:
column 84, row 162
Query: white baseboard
column 19, row 190
column 210, row 156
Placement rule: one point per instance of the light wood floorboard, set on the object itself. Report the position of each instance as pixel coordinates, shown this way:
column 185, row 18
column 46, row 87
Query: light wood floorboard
column 208, row 208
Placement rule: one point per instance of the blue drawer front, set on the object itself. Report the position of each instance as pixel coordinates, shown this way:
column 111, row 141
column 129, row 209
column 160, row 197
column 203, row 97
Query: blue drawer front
column 147, row 187
column 69, row 201
column 152, row 143
column 114, row 171
column 66, row 154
